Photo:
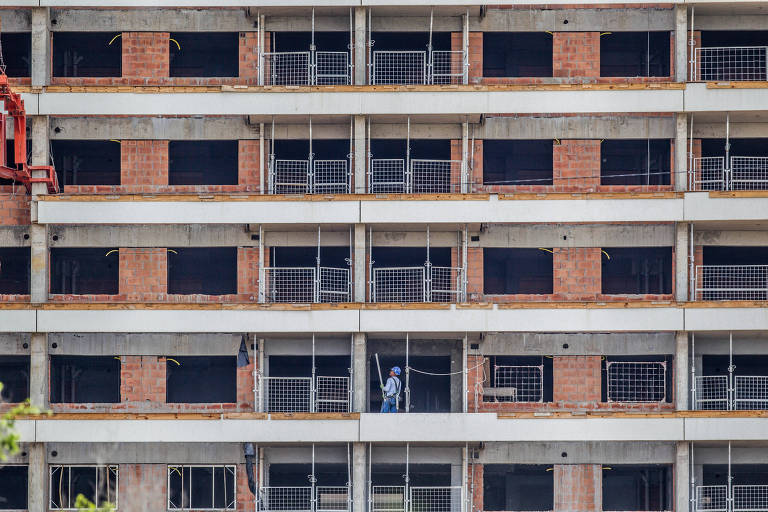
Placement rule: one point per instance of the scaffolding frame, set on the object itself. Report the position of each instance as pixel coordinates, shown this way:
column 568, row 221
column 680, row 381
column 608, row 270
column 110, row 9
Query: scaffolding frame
column 729, row 497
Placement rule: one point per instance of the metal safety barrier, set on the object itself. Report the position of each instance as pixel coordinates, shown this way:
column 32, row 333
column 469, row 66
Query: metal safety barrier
column 301, row 285
column 516, row 384
column 731, row 282
column 711, row 498
column 435, row 499
column 714, row 393
column 418, row 284
column 636, row 381
column 387, row 498
column 420, row 176
column 305, row 68
column 399, row 68
column 711, row 393
column 743, row 173
column 293, row 499
column 750, row 498
column 447, row 67
column 309, row 177
column 708, row 173
column 299, row 394
column 734, row 63
column 332, row 394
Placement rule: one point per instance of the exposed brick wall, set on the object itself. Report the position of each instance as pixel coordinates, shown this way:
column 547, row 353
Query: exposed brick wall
column 576, row 165
column 576, row 381
column 146, row 56
column 143, row 164
column 475, row 279
column 14, row 207
column 476, row 475
column 248, row 271
column 476, row 379
column 143, row 274
column 142, row 381
column 576, row 54
column 248, row 170
column 577, row 273
column 249, row 58
column 475, row 57
column 578, row 487
column 692, row 48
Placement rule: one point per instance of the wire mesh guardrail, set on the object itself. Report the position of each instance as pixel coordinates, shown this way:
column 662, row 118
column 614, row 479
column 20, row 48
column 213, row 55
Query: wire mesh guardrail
column 750, row 392
column 289, row 177
column 331, row 68
column 387, row 498
column 711, row 393
column 435, row 499
column 636, row 381
column 750, row 498
column 447, row 67
column 418, row 284
column 731, row 282
column 446, row 285
column 293, row 499
column 748, row 173
column 299, row 285
column 330, row 177
column 332, row 394
column 387, row 176
column 287, row 68
column 399, row 67
column 286, row 394
column 708, row 173
column 736, row 63
column 434, row 176
column 334, row 286
column 332, row 499
column 711, row 498
column 516, row 384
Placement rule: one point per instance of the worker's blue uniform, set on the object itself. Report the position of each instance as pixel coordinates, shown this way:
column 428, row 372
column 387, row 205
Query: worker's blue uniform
column 391, row 395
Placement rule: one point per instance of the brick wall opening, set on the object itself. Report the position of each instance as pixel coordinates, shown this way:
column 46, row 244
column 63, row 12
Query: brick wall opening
column 201, row 487
column 429, row 393
column 17, row 53
column 518, row 487
column 93, row 270
column 421, row 475
column 87, row 54
column 517, row 54
column 410, row 41
column 742, row 474
column 204, row 54
column 635, row 162
column 739, row 147
column 637, row 487
column 14, row 270
column 430, row 149
column 300, row 41
column 518, row 379
column 637, row 379
column 13, row 487
column 87, row 162
column 202, row 270
column 732, row 255
column 633, row 54
column 517, row 271
column 14, row 374
column 85, row 379
column 636, row 270
column 517, row 162
column 307, row 256
column 201, row 379
column 323, row 149
column 203, row 162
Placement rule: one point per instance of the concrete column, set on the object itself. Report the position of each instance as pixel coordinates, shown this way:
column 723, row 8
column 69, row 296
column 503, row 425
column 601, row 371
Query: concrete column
column 682, row 389
column 37, row 488
column 361, row 154
column 681, row 152
column 359, row 477
column 38, row 370
column 361, row 46
column 681, row 43
column 360, row 264
column 40, row 67
column 360, row 371
column 38, row 233
column 682, row 477
column 682, row 249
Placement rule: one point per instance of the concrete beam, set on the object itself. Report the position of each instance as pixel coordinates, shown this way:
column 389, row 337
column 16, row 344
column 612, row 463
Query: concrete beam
column 16, row 20
column 577, row 127
column 14, row 236
column 577, row 453
column 682, row 484
column 361, row 46
column 732, row 21
column 414, row 24
column 177, row 235
column 37, row 477
column 735, row 237
column 681, row 152
column 145, row 344
column 146, row 453
column 360, row 264
column 581, row 235
column 150, row 127
column 574, row 20
column 153, row 20
column 737, row 130
column 726, row 319
column 577, row 344
column 359, row 477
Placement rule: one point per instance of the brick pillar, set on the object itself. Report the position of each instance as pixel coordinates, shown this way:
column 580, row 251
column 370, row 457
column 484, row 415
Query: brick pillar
column 578, row 487
column 14, row 209
column 249, row 58
column 144, row 164
column 698, row 259
column 694, row 151
column 455, row 177
column 245, row 500
column 576, row 54
column 576, row 165
column 146, row 56
column 474, row 274
column 577, row 273
column 143, row 273
column 142, row 487
column 248, row 272
column 475, row 381
column 576, row 381
column 476, row 480
column 142, row 380
column 248, row 171
column 245, row 385
column 697, row 44
column 475, row 166
column 475, row 71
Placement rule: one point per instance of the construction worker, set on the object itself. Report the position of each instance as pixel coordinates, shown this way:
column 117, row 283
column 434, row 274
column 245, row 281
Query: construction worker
column 391, row 392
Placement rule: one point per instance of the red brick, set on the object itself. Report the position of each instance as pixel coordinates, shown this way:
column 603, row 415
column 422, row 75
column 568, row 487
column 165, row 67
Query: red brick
column 146, row 56
column 578, row 487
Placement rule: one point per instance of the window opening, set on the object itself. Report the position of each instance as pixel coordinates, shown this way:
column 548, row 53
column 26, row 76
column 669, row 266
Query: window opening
column 637, row 487
column 203, row 162
column 518, row 379
column 633, row 54
column 517, row 54
column 97, row 483
column 201, row 487
column 637, row 379
column 13, row 487
column 428, row 393
column 85, row 271
column 87, row 54
column 636, row 270
column 635, row 162
column 85, row 379
column 204, row 54
column 87, row 162
column 17, row 53
column 14, row 374
column 517, row 271
column 202, row 270
column 201, row 379
column 517, row 162
column 14, row 270
column 519, row 487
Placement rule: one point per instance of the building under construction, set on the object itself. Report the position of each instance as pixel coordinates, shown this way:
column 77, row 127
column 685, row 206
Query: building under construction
column 222, row 226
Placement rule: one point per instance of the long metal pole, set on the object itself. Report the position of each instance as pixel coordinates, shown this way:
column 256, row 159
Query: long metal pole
column 408, row 174
column 428, row 274
column 729, row 491
column 311, row 158
column 350, row 157
column 464, row 472
column 691, row 171
column 693, row 371
column 259, row 373
column 349, row 479
column 429, row 77
column 464, row 370
column 262, row 284
column 692, row 48
column 692, row 478
column 464, row 263
column 312, row 406
column 261, row 159
column 371, row 295
column 313, row 481
column 728, row 184
column 407, row 477
column 731, row 367
column 692, row 266
column 317, row 268
column 407, row 374
column 370, row 476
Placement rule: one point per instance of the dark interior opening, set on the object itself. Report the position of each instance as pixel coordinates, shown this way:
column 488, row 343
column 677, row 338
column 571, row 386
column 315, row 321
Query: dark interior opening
column 297, row 475
column 17, row 53
column 203, row 270
column 335, row 257
column 87, row 54
column 14, row 270
column 410, row 256
column 202, row 162
column 718, row 38
column 429, row 393
column 204, row 54
column 301, row 366
column 731, row 255
column 201, row 487
column 85, row 379
column 635, row 54
column 300, row 41
column 14, row 374
column 86, row 162
column 429, row 149
column 752, row 365
column 517, row 54
column 517, row 162
column 426, row 475
column 410, row 41
column 13, row 487
column 10, row 158
column 514, row 271
column 636, row 270
column 655, row 388
column 637, row 487
column 323, row 149
column 518, row 487
column 635, row 162
column 739, row 147
column 93, row 270
column 70, row 481
column 201, row 379
column 733, row 64
column 742, row 474
column 546, row 385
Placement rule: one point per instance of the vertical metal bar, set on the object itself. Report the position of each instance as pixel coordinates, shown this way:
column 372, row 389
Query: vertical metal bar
column 350, row 157
column 262, row 294
column 691, row 170
column 371, row 79
column 463, row 185
column 261, row 39
column 313, row 392
column 407, row 373
column 349, row 480
column 731, row 391
column 352, row 49
column 351, row 387
column 407, row 496
column 318, row 278
column 465, row 49
column 312, row 479
column 692, row 267
column 370, row 161
column 464, row 472
column 260, row 373
column 464, row 263
column 430, row 68
column 727, row 163
column 272, row 175
column 371, row 285
column 464, row 370
column 692, row 48
column 408, row 174
column 311, row 158
column 261, row 158
column 427, row 274
column 350, row 263
column 693, row 371
column 370, row 477
column 729, row 491
column 312, row 56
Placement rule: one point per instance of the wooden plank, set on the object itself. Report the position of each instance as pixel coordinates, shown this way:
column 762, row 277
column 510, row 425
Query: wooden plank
column 215, row 197
column 314, row 416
